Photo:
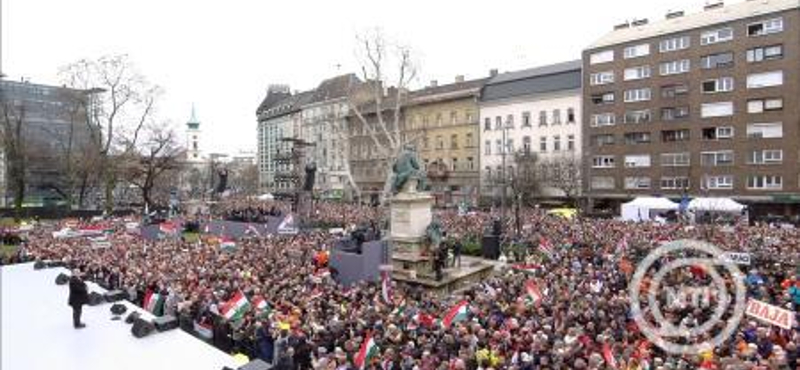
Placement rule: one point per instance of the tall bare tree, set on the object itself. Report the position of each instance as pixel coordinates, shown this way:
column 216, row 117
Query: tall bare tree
column 119, row 113
column 14, row 144
column 564, row 174
column 148, row 163
column 527, row 178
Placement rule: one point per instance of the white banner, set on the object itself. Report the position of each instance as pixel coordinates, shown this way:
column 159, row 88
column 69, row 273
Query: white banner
column 737, row 258
column 770, row 314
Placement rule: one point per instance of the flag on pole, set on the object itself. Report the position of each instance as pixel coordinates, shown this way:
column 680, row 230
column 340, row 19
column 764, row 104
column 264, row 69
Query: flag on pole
column 236, row 307
column 608, row 356
column 261, row 306
column 457, row 313
column 534, row 294
column 546, row 247
column 527, row 268
column 367, row 352
column 227, row 243
column 153, row 302
column 168, row 227
column 424, row 319
column 386, row 287
column 400, row 308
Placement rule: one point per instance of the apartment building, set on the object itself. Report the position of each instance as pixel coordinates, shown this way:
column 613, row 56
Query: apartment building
column 700, row 104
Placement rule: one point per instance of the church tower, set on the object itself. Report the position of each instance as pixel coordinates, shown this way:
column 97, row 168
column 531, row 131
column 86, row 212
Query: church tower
column 193, row 153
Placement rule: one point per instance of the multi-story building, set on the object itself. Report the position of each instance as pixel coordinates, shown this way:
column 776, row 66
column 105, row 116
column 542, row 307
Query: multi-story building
column 698, row 104
column 324, row 125
column 55, row 136
column 272, row 109
column 535, row 111
column 444, row 121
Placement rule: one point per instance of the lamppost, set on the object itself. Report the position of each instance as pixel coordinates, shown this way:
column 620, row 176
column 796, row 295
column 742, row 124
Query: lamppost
column 504, row 150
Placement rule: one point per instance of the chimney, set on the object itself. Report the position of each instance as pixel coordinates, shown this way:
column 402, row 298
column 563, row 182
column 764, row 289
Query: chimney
column 622, row 26
column 434, row 83
column 493, row 72
column 639, row 22
column 459, row 78
column 714, row 5
column 675, row 14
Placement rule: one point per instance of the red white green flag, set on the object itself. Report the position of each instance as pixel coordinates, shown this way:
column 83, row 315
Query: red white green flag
column 236, row 307
column 534, row 294
column 152, row 302
column 609, row 356
column 367, row 352
column 261, row 306
column 547, row 247
column 457, row 313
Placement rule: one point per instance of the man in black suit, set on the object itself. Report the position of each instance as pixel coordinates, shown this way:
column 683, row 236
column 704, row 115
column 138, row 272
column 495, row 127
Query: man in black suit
column 78, row 296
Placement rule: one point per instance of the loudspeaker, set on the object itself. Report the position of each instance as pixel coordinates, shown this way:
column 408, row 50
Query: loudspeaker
column 142, row 328
column 132, row 317
column 490, row 247
column 257, row 364
column 115, row 296
column 62, row 279
column 96, row 299
column 166, row 322
column 118, row 309
column 38, row 265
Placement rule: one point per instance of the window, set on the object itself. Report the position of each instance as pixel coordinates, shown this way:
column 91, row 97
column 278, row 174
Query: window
column 765, row 130
column 425, row 143
column 767, row 27
column 673, row 44
column 766, row 156
column 526, row 119
column 671, row 91
column 557, row 143
column 721, row 60
column 761, row 54
column 675, row 159
column 526, row 144
column 570, row 115
column 439, row 142
column 603, row 161
column 603, row 98
column 637, row 160
column 766, row 79
column 674, row 67
column 637, row 51
column 510, row 121
column 636, row 73
column 468, row 142
column 637, row 183
column 470, row 117
column 510, row 145
column 637, row 95
column 454, row 164
column 454, row 141
column 715, row 159
column 543, row 144
column 453, row 117
column 716, row 36
column 542, row 118
column 637, row 116
column 498, row 123
column 764, row 182
column 633, row 138
column 571, row 142
column 498, row 144
column 438, row 119
column 601, row 57
column 487, row 124
column 603, row 119
column 602, row 182
column 722, row 84
column 764, row 105
column 470, row 164
column 671, row 183
column 602, row 140
column 487, row 147
column 674, row 113
column 719, row 182
column 601, row 78
column 718, row 133
column 669, row 136
column 720, row 109
column 556, row 116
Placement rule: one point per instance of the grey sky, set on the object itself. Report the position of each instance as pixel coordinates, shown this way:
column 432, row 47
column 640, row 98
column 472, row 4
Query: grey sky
column 221, row 55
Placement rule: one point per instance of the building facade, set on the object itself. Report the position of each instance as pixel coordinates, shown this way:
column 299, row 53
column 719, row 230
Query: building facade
column 270, row 113
column 697, row 105
column 444, row 119
column 536, row 113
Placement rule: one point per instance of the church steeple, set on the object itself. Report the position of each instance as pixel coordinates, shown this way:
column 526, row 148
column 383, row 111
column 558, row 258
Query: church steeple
column 193, row 122
column 194, row 152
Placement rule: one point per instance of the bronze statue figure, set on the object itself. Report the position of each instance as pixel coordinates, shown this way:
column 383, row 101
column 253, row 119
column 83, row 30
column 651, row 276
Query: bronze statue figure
column 405, row 168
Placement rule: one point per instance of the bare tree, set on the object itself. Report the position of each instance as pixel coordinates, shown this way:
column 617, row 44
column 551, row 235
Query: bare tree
column 119, row 113
column 14, row 144
column 526, row 182
column 377, row 107
column 564, row 174
column 151, row 160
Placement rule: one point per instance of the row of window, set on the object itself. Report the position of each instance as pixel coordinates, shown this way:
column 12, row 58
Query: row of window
column 718, row 158
column 544, row 120
column 708, row 37
column 707, row 110
column 711, row 182
column 710, row 86
column 527, row 145
column 468, row 142
column 422, row 121
column 454, row 165
column 645, row 137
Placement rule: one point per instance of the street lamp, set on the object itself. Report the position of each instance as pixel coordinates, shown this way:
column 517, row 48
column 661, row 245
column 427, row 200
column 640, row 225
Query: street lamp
column 504, row 183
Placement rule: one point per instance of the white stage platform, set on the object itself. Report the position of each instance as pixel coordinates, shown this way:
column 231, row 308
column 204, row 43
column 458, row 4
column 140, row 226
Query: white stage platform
column 37, row 332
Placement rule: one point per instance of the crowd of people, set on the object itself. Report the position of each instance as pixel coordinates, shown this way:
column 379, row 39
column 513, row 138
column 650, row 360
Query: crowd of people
column 581, row 320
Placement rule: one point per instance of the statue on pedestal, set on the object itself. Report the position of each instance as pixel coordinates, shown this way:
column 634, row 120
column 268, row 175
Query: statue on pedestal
column 407, row 168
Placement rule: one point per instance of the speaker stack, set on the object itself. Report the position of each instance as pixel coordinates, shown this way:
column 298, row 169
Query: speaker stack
column 142, row 328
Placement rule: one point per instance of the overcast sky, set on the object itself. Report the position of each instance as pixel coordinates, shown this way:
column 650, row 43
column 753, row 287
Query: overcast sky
column 221, row 55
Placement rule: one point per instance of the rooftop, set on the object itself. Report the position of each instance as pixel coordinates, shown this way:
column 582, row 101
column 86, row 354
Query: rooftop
column 712, row 16
column 552, row 78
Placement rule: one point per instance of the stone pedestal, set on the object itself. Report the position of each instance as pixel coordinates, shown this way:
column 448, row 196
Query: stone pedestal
column 410, row 216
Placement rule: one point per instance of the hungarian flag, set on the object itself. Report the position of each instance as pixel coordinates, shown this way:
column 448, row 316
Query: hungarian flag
column 546, row 247
column 522, row 267
column 227, row 243
column 367, row 352
column 456, row 314
column 261, row 306
column 608, row 356
column 400, row 308
column 153, row 302
column 424, row 319
column 236, row 307
column 534, row 294
column 168, row 227
column 386, row 287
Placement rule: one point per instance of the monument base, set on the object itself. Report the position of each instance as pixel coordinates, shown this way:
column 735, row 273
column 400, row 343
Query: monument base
column 420, row 273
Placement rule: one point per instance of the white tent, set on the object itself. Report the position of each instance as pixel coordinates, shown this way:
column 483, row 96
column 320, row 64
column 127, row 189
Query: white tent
column 715, row 205
column 266, row 196
column 646, row 208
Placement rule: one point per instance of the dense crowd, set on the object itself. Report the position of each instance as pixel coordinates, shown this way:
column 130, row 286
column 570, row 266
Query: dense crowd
column 582, row 320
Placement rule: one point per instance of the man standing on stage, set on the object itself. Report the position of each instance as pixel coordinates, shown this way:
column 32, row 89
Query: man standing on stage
column 78, row 296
